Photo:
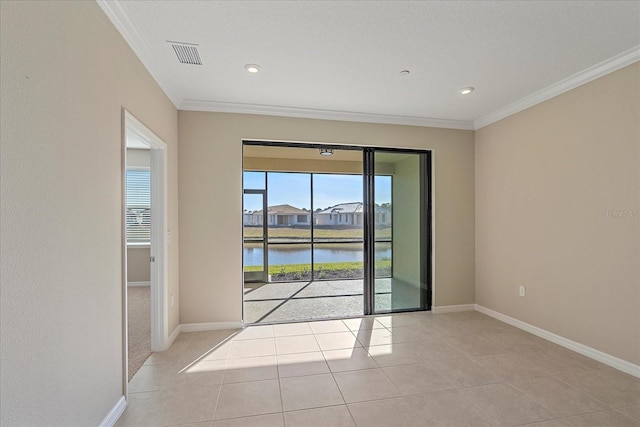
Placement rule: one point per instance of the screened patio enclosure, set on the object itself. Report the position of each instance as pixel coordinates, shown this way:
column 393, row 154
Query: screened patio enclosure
column 353, row 226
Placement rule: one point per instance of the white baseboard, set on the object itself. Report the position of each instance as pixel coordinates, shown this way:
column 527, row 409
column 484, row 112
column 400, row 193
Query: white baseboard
column 607, row 359
column 173, row 336
column 211, row 326
column 115, row 413
column 132, row 284
column 453, row 308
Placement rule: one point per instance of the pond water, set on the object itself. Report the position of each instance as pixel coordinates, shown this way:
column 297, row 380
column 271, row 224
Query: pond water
column 301, row 254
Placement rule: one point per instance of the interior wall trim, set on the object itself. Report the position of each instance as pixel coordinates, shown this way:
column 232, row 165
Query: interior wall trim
column 310, row 113
column 114, row 414
column 600, row 356
column 173, row 336
column 605, row 67
column 452, row 308
column 210, row 326
column 134, row 284
column 118, row 17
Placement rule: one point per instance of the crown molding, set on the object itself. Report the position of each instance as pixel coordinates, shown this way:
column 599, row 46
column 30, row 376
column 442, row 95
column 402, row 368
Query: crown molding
column 610, row 65
column 309, row 113
column 116, row 14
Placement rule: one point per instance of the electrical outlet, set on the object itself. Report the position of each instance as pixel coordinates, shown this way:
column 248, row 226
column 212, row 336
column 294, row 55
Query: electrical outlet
column 523, row 291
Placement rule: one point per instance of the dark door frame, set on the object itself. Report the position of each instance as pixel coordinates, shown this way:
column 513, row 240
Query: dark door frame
column 265, row 228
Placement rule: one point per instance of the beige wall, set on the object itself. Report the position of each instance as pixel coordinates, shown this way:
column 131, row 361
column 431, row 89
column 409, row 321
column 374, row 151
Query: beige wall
column 138, row 264
column 406, row 223
column 300, row 165
column 66, row 75
column 210, row 159
column 557, row 210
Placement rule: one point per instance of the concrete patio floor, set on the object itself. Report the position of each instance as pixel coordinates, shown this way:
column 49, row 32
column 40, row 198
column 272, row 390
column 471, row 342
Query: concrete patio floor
column 280, row 302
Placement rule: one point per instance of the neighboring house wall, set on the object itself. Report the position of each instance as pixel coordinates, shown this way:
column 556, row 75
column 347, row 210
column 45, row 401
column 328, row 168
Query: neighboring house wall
column 275, row 219
column 66, row 75
column 341, row 214
column 288, row 219
column 384, row 217
column 348, row 218
column 252, row 219
column 558, row 211
column 324, row 219
column 347, row 214
column 211, row 153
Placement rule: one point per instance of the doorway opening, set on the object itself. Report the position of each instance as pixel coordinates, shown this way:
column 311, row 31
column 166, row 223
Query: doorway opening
column 145, row 308
column 334, row 236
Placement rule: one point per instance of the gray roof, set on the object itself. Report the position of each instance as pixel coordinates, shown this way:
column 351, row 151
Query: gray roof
column 355, row 207
column 283, row 210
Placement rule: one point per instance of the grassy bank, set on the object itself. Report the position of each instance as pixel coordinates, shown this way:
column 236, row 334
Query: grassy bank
column 319, row 233
column 297, row 246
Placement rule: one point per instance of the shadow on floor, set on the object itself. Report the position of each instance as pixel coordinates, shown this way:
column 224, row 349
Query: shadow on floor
column 295, row 301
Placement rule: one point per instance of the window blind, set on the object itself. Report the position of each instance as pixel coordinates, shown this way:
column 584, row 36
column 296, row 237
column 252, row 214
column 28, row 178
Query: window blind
column 138, row 209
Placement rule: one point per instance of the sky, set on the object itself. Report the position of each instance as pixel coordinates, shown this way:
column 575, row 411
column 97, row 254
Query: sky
column 295, row 189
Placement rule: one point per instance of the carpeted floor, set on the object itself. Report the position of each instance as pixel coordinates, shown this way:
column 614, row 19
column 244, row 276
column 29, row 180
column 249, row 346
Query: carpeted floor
column 139, row 312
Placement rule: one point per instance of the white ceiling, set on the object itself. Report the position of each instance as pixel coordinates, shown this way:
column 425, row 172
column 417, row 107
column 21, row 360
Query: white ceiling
column 342, row 59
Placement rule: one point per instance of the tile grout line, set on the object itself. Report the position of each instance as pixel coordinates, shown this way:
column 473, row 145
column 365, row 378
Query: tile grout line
column 554, row 360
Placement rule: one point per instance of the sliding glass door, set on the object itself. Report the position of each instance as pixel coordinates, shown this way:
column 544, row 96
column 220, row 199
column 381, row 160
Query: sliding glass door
column 289, row 226
column 400, row 215
column 351, row 229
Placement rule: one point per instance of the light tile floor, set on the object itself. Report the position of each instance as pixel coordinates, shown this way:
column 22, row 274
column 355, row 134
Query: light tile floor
column 414, row 369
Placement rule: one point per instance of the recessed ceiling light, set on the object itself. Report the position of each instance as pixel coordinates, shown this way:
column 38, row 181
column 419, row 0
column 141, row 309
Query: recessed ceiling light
column 405, row 72
column 326, row 151
column 466, row 90
column 252, row 68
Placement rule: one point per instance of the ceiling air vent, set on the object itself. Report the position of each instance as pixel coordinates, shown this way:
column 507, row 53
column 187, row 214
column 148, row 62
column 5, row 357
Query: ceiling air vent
column 187, row 53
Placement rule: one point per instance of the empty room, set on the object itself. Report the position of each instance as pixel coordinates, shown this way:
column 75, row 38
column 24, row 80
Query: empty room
column 319, row 213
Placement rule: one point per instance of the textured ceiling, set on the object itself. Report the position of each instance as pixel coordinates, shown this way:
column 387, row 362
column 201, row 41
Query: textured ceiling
column 338, row 58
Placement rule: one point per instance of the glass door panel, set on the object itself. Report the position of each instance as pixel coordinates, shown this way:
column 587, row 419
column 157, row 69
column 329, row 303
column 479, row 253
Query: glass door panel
column 338, row 249
column 289, row 226
column 399, row 221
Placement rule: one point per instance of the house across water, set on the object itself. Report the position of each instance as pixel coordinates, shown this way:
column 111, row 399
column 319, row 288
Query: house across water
column 343, row 214
column 278, row 215
column 351, row 214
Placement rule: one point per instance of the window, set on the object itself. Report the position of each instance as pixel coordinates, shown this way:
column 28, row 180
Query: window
column 302, row 218
column 138, row 209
